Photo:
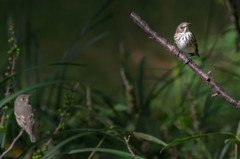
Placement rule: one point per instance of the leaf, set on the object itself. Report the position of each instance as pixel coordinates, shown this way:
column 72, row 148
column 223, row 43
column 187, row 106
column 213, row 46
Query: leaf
column 106, row 150
column 55, row 148
column 33, row 68
column 95, row 39
column 194, row 137
column 83, row 132
column 149, row 138
column 3, row 129
column 67, row 64
column 162, row 83
column 233, row 140
column 36, row 86
column 224, row 150
column 98, row 145
column 32, row 147
column 61, row 133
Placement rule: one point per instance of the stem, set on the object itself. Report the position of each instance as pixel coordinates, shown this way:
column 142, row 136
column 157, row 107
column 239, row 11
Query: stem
column 128, row 146
column 11, row 146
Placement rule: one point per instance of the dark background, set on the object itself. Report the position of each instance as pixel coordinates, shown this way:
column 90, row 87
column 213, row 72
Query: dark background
column 89, row 42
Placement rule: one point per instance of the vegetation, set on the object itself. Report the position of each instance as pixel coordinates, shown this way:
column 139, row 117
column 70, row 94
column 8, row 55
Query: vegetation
column 100, row 88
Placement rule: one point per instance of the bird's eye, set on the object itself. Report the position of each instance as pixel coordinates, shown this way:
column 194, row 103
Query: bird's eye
column 181, row 27
column 22, row 99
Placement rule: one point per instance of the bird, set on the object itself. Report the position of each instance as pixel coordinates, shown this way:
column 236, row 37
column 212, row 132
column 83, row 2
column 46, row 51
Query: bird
column 24, row 115
column 186, row 40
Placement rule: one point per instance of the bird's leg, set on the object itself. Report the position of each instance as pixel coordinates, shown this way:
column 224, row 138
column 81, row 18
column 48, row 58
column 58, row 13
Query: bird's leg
column 188, row 61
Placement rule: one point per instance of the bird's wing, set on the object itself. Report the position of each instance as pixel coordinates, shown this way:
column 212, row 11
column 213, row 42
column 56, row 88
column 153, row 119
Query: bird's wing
column 31, row 116
column 21, row 120
column 195, row 44
column 31, row 119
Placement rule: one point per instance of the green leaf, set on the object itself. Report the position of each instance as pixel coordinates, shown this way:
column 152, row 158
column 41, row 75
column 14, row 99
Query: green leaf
column 55, row 148
column 111, row 151
column 149, row 138
column 36, row 86
column 67, row 64
column 98, row 146
column 32, row 147
column 233, row 140
column 3, row 129
column 194, row 137
column 162, row 83
column 34, row 68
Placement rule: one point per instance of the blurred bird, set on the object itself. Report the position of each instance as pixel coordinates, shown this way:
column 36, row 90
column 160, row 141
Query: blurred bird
column 186, row 40
column 24, row 115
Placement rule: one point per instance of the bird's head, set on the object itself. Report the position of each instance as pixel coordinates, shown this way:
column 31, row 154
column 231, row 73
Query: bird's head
column 183, row 27
column 23, row 98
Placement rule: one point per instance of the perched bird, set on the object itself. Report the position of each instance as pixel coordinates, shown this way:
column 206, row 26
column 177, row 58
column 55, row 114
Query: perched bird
column 24, row 115
column 185, row 39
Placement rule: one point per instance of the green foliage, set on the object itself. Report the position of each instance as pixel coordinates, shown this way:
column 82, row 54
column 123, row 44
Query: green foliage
column 82, row 110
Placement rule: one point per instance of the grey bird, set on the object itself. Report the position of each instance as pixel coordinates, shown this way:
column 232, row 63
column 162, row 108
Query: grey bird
column 24, row 115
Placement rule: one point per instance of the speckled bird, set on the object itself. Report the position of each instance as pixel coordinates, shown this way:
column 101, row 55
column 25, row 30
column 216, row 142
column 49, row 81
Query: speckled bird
column 186, row 40
column 24, row 115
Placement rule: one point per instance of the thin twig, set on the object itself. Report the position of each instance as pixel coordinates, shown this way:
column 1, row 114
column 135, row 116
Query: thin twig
column 89, row 106
column 2, row 119
column 62, row 118
column 11, row 146
column 61, row 121
column 236, row 146
column 93, row 153
column 129, row 92
column 172, row 49
column 57, row 128
column 11, row 74
column 192, row 109
column 89, row 101
column 128, row 146
column 235, row 151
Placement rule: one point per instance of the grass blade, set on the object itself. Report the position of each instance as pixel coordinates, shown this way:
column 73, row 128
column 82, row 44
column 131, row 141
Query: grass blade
column 49, row 153
column 36, row 86
column 149, row 138
column 194, row 137
column 105, row 150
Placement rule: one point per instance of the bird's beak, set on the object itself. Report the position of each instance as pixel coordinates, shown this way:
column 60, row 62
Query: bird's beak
column 188, row 24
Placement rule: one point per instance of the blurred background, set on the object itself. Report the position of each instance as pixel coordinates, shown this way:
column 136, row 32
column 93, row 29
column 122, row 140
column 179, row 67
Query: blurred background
column 47, row 30
column 89, row 42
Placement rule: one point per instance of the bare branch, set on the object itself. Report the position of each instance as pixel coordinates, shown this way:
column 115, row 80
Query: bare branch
column 11, row 74
column 128, row 146
column 11, row 146
column 172, row 49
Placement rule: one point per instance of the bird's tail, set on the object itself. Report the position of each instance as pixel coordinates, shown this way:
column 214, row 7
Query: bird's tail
column 32, row 138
